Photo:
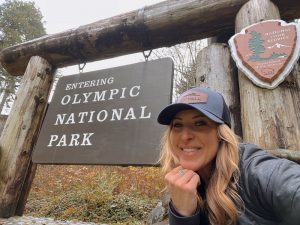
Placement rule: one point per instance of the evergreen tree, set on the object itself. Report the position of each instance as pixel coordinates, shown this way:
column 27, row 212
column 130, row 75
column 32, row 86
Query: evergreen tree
column 255, row 45
column 19, row 22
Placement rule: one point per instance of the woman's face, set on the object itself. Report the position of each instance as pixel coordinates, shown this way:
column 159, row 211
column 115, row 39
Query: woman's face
column 194, row 140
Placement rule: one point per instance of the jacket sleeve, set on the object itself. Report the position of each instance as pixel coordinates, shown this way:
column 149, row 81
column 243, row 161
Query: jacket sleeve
column 273, row 185
column 176, row 219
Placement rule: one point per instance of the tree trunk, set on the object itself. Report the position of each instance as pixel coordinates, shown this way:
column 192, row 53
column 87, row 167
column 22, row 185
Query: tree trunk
column 216, row 70
column 3, row 100
column 8, row 90
column 270, row 118
column 164, row 24
column 2, row 123
column 20, row 132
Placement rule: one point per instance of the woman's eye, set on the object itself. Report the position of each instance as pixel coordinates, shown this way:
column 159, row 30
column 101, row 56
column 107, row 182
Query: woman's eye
column 200, row 123
column 177, row 125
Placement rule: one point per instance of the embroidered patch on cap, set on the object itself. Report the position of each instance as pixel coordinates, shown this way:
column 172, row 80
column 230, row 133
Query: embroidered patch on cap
column 193, row 97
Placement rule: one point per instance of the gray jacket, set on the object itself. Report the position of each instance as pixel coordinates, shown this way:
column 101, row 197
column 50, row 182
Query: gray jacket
column 269, row 187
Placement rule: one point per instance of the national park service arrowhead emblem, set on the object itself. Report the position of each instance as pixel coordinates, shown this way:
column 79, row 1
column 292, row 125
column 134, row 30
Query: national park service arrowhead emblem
column 267, row 51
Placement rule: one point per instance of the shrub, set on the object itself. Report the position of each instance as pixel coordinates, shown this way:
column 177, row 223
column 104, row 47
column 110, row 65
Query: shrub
column 115, row 195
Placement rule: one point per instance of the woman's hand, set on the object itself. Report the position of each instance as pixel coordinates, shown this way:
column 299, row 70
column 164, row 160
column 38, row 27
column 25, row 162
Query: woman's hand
column 182, row 184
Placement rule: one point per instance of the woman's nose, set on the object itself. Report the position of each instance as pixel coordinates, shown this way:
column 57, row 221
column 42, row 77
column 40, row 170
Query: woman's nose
column 187, row 133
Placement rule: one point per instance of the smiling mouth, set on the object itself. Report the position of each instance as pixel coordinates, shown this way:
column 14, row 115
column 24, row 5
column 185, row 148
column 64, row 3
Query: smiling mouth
column 188, row 150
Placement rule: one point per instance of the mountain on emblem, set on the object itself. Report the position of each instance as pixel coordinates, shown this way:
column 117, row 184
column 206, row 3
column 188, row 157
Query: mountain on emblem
column 278, row 45
column 266, row 52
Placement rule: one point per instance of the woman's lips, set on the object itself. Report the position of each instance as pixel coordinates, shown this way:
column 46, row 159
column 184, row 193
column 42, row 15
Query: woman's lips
column 189, row 150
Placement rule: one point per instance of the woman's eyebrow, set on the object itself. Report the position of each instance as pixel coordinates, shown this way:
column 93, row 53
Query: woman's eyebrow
column 194, row 117
column 177, row 118
column 197, row 116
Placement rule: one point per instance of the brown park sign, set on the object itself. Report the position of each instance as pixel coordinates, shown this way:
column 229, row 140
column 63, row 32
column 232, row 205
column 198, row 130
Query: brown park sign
column 267, row 51
column 107, row 116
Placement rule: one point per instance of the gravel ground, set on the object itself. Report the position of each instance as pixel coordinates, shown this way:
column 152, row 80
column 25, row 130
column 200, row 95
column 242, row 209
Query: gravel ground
column 29, row 220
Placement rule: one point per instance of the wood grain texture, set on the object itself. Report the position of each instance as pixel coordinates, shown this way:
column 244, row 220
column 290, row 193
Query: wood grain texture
column 20, row 132
column 216, row 70
column 163, row 24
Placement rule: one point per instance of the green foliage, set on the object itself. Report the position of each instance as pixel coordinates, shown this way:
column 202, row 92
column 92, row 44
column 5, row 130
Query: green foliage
column 19, row 22
column 113, row 195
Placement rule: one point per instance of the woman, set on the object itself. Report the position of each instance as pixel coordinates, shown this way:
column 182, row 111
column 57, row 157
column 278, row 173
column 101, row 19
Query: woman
column 212, row 179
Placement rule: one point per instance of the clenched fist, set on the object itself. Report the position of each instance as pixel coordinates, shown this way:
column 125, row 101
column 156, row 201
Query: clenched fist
column 182, row 185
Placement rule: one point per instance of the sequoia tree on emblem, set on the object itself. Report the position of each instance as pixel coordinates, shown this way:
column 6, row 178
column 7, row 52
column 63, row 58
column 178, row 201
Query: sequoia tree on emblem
column 267, row 51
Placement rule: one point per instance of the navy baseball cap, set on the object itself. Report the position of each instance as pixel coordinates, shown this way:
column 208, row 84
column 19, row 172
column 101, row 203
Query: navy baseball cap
column 206, row 101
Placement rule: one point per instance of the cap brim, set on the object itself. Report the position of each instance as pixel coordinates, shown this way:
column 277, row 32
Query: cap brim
column 167, row 114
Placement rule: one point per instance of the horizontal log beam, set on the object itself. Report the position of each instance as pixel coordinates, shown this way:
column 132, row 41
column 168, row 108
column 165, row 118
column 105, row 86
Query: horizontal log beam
column 292, row 155
column 163, row 24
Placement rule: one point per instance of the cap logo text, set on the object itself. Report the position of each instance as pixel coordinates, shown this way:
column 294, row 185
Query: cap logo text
column 193, row 97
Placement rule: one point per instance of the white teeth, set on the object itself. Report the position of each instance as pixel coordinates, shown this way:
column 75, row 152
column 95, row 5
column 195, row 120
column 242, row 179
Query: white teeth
column 189, row 149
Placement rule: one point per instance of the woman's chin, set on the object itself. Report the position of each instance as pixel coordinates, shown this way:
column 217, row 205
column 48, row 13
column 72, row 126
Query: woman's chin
column 189, row 166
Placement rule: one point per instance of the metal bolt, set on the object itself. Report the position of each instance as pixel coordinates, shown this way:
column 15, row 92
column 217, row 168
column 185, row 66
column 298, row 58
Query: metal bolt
column 202, row 78
column 48, row 71
column 41, row 100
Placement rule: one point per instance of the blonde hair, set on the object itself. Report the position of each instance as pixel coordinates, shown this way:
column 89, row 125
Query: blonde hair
column 222, row 202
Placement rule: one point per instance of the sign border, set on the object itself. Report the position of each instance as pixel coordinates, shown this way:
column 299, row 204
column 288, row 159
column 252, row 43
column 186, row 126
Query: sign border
column 167, row 92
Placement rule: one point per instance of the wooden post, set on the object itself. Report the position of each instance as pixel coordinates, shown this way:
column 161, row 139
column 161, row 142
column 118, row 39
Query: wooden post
column 216, row 70
column 270, row 118
column 20, row 132
column 26, row 189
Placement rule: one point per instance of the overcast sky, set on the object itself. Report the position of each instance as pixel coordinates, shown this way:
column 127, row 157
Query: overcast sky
column 61, row 15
